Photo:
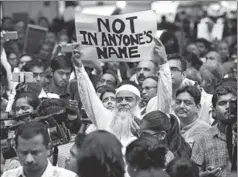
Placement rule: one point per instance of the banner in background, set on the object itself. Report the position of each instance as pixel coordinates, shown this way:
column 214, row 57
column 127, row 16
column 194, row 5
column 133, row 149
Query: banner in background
column 127, row 37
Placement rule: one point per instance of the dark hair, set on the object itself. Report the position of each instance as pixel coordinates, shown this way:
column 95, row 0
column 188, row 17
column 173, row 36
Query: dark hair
column 193, row 58
column 191, row 90
column 51, row 106
column 181, row 167
column 157, row 121
column 225, row 86
column 146, row 153
column 180, row 58
column 165, row 37
column 29, row 130
column 61, row 62
column 205, row 42
column 151, row 173
column 107, row 89
column 31, row 64
column 32, row 99
column 101, row 156
column 176, row 143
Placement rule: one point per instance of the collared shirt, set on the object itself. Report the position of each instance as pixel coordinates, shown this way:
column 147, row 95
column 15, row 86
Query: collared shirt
column 210, row 149
column 192, row 131
column 50, row 171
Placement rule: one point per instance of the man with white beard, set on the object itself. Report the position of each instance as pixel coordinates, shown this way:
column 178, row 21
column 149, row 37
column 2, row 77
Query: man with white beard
column 122, row 121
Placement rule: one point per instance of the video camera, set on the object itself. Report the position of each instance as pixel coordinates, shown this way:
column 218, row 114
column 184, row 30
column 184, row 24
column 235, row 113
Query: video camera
column 58, row 132
column 232, row 111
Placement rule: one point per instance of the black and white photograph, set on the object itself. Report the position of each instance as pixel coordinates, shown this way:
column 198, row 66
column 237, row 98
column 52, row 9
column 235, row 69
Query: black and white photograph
column 118, row 88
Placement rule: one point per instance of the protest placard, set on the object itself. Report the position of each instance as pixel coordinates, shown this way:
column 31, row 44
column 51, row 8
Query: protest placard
column 35, row 36
column 127, row 37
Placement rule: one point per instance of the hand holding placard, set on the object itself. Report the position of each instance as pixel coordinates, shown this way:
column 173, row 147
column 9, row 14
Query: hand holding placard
column 159, row 53
column 76, row 57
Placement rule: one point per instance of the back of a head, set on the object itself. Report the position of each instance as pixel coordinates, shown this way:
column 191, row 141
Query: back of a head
column 182, row 167
column 51, row 106
column 157, row 121
column 152, row 173
column 102, row 152
column 146, row 153
column 176, row 142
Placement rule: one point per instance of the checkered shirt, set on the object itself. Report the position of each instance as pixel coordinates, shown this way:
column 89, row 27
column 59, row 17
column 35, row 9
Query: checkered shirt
column 210, row 149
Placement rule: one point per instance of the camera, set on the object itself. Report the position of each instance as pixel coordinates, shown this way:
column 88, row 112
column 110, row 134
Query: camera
column 59, row 134
column 232, row 111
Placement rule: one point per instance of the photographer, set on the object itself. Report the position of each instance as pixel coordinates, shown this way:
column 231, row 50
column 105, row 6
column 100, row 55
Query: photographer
column 32, row 145
column 25, row 103
column 71, row 120
column 212, row 151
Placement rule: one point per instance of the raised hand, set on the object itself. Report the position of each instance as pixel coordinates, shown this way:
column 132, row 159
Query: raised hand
column 159, row 53
column 76, row 57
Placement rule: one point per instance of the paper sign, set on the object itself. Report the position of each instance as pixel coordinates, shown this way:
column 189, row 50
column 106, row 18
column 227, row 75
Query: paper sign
column 127, row 37
column 35, row 36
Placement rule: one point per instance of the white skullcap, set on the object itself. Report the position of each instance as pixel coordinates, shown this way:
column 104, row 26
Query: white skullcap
column 130, row 88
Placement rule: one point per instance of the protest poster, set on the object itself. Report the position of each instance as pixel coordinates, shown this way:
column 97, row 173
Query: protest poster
column 126, row 37
column 35, row 36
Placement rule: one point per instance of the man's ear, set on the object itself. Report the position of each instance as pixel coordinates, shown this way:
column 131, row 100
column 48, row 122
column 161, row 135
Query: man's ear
column 199, row 106
column 214, row 115
column 184, row 74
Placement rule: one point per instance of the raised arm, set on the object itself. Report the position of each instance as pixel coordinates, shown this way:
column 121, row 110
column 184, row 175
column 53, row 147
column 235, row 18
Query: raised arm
column 164, row 89
column 94, row 108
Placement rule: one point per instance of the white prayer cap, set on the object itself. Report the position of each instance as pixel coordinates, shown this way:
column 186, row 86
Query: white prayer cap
column 130, row 88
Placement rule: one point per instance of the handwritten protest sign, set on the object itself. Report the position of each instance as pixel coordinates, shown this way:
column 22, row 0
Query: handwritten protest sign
column 127, row 37
column 35, row 36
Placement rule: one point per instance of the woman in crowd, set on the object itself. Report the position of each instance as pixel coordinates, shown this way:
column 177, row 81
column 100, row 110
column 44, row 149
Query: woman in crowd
column 101, row 156
column 166, row 129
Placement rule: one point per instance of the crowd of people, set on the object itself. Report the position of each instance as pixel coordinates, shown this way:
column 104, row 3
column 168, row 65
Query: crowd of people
column 167, row 116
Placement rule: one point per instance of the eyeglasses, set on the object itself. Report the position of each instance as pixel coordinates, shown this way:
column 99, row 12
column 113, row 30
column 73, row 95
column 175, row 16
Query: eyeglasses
column 186, row 102
column 144, row 134
column 148, row 88
column 127, row 99
column 175, row 69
